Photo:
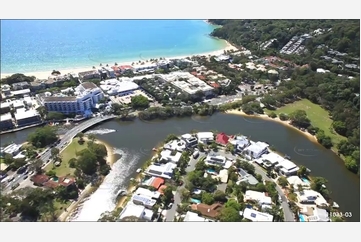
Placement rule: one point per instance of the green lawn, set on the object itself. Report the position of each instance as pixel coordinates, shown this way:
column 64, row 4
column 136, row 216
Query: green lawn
column 66, row 155
column 319, row 117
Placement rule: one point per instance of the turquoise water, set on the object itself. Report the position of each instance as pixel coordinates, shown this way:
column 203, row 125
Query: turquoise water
column 197, row 201
column 42, row 45
column 305, row 180
column 211, row 171
column 302, row 219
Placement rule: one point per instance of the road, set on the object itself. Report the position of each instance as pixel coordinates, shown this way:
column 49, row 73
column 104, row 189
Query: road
column 177, row 195
column 225, row 99
column 288, row 214
column 45, row 156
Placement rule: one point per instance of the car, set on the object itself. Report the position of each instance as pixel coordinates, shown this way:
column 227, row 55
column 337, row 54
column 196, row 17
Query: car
column 25, row 177
column 170, row 205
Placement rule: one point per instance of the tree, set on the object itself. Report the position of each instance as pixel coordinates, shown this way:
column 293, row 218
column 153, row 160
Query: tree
column 185, row 194
column 139, row 102
column 230, row 148
column 167, row 195
column 8, row 159
column 229, row 214
column 87, row 162
column 81, row 137
column 43, row 136
column 219, row 196
column 339, row 127
column 207, row 198
column 54, row 153
column 351, row 164
column 201, row 147
column 233, row 204
column 299, row 118
column 302, row 171
column 92, row 137
column 35, row 165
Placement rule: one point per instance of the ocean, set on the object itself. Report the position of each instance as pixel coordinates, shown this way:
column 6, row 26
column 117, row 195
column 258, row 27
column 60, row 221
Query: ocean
column 43, row 45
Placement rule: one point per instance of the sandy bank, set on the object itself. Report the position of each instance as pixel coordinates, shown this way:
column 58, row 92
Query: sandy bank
column 46, row 74
column 265, row 117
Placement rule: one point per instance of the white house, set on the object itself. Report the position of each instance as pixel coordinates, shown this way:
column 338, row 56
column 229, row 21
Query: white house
column 205, row 137
column 256, row 216
column 311, row 197
column 287, row 167
column 170, row 156
column 179, row 145
column 240, row 142
column 295, row 181
column 256, row 150
column 144, row 201
column 164, row 171
column 133, row 210
column 148, row 193
column 215, row 160
column 319, row 215
column 194, row 217
column 259, row 197
column 190, row 140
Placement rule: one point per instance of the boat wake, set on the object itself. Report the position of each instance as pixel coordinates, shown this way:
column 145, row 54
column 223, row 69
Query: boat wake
column 101, row 131
column 105, row 197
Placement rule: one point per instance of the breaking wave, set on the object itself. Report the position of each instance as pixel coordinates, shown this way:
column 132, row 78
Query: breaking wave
column 100, row 131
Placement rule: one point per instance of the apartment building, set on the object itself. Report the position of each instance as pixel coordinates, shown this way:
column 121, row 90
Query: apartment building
column 86, row 96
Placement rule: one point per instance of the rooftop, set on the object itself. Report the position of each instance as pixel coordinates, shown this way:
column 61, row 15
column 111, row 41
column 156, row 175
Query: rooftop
column 211, row 211
column 88, row 85
column 257, row 216
column 26, row 114
column 60, row 99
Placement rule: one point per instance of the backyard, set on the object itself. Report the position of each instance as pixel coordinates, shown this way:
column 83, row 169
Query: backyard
column 319, row 117
column 69, row 152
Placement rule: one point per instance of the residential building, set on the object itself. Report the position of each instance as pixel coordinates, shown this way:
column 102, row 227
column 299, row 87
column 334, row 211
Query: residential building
column 295, row 181
column 205, row 137
column 143, row 200
column 311, row 197
column 12, row 149
column 37, row 85
column 4, row 107
column 209, row 211
column 86, row 75
column 245, row 177
column 259, row 197
column 87, row 95
column 146, row 67
column 316, row 214
column 157, row 182
column 6, row 122
column 53, row 182
column 114, row 87
column 138, row 211
column 212, row 159
column 190, row 140
column 240, row 142
column 20, row 93
column 256, row 150
column 20, row 85
column 148, row 193
column 222, row 58
column 194, row 217
column 170, row 156
column 28, row 117
column 164, row 171
column 222, row 139
column 178, row 145
column 256, row 216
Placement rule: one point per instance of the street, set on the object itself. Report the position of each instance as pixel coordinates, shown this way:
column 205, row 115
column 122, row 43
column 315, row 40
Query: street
column 225, row 99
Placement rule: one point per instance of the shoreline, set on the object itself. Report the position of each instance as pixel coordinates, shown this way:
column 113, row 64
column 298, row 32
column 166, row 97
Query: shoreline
column 89, row 189
column 46, row 74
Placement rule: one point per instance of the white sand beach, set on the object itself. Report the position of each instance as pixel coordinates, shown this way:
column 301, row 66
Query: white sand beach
column 46, row 74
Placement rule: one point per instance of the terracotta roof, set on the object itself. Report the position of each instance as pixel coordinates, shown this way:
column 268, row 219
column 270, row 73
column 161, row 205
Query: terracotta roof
column 222, row 138
column 124, row 67
column 202, row 77
column 211, row 211
column 161, row 189
column 40, row 179
column 157, row 182
column 215, row 85
column 62, row 181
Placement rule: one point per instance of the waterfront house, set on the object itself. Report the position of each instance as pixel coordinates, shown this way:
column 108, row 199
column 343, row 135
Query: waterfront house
column 240, row 143
column 295, row 181
column 143, row 200
column 256, row 216
column 170, row 156
column 148, row 193
column 157, row 182
column 311, row 197
column 273, row 160
column 86, row 75
column 177, row 145
column 12, row 149
column 163, row 171
column 256, row 150
column 205, row 137
column 29, row 117
column 209, row 211
column 138, row 211
column 190, row 140
column 53, row 182
column 213, row 159
column 259, row 197
column 6, row 122
column 222, row 139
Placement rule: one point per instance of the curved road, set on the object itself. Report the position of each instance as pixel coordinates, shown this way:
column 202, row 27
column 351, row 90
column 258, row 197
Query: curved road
column 45, row 156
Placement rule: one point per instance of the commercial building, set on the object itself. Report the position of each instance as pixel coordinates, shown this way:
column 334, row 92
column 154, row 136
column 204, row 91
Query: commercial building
column 12, row 149
column 114, row 87
column 86, row 96
column 20, row 93
column 86, row 75
column 27, row 117
column 4, row 107
column 6, row 122
column 188, row 83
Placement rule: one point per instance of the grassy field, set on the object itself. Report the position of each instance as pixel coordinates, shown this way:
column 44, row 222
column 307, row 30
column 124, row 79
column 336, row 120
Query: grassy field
column 66, row 155
column 319, row 117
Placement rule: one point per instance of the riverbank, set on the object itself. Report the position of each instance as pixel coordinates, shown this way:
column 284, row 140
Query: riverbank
column 89, row 189
column 76, row 70
column 287, row 123
column 21, row 128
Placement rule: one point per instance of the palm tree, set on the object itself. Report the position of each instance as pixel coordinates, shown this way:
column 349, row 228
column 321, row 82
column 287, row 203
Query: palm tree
column 92, row 137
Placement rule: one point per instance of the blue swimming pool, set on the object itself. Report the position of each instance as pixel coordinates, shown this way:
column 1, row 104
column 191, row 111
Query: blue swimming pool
column 211, row 171
column 302, row 218
column 305, row 180
column 197, row 201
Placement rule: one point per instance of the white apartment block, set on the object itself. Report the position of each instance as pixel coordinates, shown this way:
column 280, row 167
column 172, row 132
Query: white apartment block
column 86, row 96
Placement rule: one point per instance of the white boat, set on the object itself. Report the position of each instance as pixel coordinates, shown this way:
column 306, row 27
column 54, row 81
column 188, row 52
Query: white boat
column 139, row 170
column 335, row 205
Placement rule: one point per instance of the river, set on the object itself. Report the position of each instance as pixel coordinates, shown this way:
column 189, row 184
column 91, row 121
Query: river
column 133, row 142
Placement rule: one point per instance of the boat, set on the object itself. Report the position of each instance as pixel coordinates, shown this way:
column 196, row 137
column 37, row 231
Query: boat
column 121, row 193
column 335, row 205
column 139, row 170
column 154, row 149
column 287, row 157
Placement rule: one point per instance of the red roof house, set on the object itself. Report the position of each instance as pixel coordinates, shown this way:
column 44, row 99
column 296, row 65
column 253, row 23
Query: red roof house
column 222, row 139
column 157, row 182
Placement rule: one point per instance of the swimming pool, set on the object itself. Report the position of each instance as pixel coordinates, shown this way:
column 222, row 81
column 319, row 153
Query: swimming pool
column 305, row 180
column 211, row 171
column 302, row 218
column 197, row 201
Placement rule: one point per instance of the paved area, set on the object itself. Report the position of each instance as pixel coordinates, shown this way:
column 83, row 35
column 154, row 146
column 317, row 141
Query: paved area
column 225, row 99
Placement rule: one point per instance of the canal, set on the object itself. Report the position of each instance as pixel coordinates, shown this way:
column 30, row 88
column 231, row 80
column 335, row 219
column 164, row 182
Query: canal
column 133, row 142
